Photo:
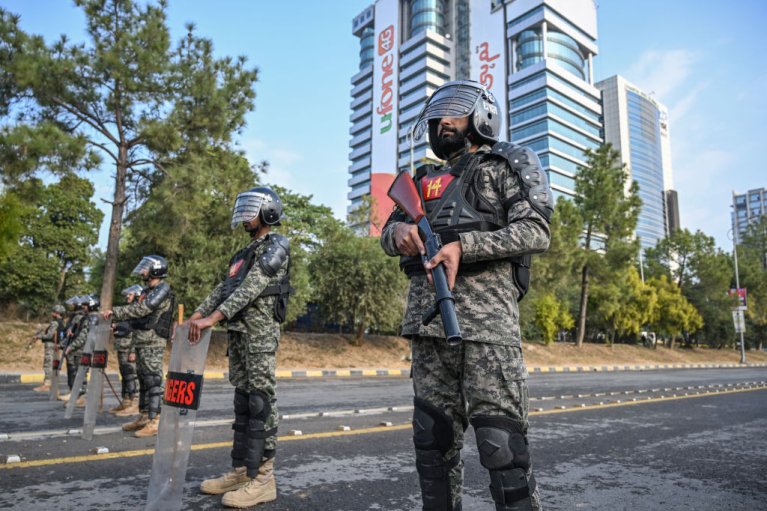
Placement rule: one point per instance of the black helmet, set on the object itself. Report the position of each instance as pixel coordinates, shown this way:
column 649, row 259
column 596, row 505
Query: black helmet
column 92, row 301
column 151, row 267
column 259, row 201
column 461, row 98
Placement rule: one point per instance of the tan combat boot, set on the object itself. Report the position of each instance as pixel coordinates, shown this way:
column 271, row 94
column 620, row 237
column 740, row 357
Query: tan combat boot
column 126, row 401
column 80, row 401
column 64, row 397
column 257, row 491
column 130, row 409
column 45, row 387
column 137, row 424
column 150, row 429
column 232, row 480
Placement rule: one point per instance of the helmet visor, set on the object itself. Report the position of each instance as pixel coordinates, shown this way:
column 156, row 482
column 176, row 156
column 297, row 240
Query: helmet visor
column 143, row 267
column 246, row 207
column 453, row 100
column 135, row 289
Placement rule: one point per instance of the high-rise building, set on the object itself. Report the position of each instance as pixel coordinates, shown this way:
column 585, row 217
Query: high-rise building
column 636, row 124
column 747, row 208
column 535, row 56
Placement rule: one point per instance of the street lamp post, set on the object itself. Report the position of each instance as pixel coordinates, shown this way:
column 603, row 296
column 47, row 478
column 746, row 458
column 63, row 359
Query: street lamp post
column 737, row 290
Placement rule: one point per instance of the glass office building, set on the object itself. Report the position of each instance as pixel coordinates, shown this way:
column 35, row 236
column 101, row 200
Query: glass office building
column 747, row 208
column 534, row 55
column 637, row 125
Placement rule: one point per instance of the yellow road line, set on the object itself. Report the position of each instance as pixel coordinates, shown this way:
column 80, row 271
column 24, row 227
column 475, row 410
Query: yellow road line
column 330, row 434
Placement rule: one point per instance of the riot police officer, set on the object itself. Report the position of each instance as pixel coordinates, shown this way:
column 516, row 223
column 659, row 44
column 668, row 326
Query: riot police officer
column 252, row 302
column 152, row 321
column 491, row 205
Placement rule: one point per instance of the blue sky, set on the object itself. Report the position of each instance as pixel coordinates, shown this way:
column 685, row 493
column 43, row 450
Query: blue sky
column 701, row 59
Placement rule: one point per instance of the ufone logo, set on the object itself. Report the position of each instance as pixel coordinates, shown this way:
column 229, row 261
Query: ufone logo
column 384, row 109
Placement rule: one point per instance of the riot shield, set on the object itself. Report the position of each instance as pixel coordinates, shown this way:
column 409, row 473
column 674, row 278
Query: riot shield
column 99, row 331
column 183, row 389
column 85, row 363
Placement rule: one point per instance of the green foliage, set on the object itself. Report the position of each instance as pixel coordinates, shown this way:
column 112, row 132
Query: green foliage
column 551, row 316
column 126, row 96
column 356, row 283
column 609, row 211
column 53, row 246
column 675, row 314
column 752, row 265
column 11, row 226
column 624, row 304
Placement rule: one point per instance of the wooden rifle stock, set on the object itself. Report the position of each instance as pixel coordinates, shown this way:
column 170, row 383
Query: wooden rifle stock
column 404, row 193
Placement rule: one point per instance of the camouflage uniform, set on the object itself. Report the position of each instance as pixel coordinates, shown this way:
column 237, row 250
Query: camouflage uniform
column 75, row 348
column 149, row 346
column 253, row 338
column 124, row 348
column 485, row 376
column 49, row 338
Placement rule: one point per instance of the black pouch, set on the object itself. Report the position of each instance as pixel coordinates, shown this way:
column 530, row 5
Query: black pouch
column 281, row 307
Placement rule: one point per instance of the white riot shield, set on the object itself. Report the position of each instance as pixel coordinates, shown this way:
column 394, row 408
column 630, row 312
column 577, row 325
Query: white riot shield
column 183, row 390
column 100, row 330
column 85, row 363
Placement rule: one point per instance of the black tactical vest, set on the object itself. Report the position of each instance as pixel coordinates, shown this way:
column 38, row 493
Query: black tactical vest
column 240, row 265
column 454, row 205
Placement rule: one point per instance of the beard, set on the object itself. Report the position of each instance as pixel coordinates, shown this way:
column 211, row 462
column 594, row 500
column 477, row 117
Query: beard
column 450, row 142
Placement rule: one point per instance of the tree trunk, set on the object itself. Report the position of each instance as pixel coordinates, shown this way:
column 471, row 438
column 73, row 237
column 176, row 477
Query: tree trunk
column 358, row 335
column 673, row 339
column 115, row 227
column 582, row 309
column 62, row 279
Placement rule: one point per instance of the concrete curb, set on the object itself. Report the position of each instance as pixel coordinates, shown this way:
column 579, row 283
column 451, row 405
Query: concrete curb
column 345, row 373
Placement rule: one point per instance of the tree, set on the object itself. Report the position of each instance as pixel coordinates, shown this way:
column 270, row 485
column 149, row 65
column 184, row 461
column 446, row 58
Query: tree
column 752, row 263
column 675, row 315
column 609, row 210
column 625, row 304
column 59, row 229
column 127, row 96
column 357, row 284
column 551, row 316
column 11, row 212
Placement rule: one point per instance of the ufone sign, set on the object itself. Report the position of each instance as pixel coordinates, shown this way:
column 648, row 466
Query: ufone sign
column 386, row 100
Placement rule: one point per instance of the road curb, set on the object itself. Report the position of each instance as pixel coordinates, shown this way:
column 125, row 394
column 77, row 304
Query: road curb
column 347, row 373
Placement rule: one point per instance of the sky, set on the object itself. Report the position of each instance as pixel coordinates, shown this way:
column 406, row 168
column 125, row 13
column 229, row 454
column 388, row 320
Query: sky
column 699, row 58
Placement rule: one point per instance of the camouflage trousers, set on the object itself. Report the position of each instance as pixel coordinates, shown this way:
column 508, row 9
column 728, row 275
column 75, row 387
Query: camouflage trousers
column 73, row 364
column 149, row 369
column 47, row 360
column 469, row 380
column 128, row 373
column 251, row 369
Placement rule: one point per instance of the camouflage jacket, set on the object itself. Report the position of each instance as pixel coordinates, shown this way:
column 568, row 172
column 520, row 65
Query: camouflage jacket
column 78, row 342
column 244, row 311
column 51, row 333
column 486, row 302
column 139, row 309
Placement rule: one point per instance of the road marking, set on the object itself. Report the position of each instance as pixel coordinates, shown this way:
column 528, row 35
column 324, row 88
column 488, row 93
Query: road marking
column 330, row 434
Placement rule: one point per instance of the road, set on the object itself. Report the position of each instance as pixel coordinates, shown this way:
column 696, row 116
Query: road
column 665, row 439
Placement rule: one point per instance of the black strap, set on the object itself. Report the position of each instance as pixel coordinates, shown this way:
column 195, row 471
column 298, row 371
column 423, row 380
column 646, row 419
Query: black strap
column 266, row 433
column 511, row 496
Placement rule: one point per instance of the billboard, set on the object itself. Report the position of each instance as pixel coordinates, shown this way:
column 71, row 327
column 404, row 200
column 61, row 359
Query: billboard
column 488, row 53
column 385, row 81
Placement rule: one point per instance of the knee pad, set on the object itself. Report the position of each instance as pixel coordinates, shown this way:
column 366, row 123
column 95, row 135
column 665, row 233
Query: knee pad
column 432, row 428
column 503, row 450
column 240, row 427
column 433, row 437
column 259, row 408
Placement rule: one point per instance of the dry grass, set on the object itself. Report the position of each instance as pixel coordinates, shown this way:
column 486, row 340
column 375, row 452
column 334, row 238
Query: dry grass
column 315, row 351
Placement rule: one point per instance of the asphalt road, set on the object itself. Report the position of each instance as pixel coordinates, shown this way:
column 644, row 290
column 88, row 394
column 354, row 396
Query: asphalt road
column 600, row 441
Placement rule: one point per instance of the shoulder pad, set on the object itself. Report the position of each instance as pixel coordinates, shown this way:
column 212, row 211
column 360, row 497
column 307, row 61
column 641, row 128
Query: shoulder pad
column 157, row 295
column 424, row 169
column 276, row 253
column 533, row 179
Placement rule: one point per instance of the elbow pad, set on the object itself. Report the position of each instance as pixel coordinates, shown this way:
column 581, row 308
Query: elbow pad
column 275, row 255
column 157, row 295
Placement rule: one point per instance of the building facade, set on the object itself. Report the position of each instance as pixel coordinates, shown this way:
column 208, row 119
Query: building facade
column 637, row 126
column 534, row 55
column 747, row 208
